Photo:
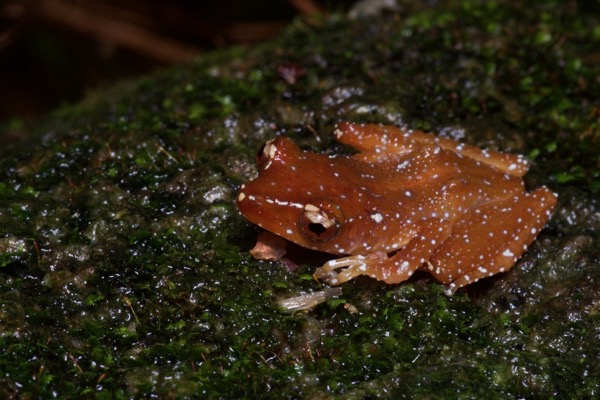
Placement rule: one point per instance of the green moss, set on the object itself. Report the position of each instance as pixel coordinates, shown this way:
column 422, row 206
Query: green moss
column 124, row 264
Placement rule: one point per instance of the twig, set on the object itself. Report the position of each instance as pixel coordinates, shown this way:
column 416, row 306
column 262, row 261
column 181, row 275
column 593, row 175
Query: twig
column 306, row 7
column 105, row 28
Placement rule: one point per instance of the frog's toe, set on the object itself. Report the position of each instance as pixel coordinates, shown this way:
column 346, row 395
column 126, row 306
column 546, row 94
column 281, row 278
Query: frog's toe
column 327, row 274
column 350, row 273
column 350, row 267
column 334, row 277
column 450, row 289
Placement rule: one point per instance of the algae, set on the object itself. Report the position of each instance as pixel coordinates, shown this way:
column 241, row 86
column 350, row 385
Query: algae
column 124, row 266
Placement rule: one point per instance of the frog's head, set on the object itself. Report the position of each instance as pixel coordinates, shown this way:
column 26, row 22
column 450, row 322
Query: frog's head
column 297, row 195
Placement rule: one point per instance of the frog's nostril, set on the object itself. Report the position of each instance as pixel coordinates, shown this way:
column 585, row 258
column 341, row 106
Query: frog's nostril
column 261, row 157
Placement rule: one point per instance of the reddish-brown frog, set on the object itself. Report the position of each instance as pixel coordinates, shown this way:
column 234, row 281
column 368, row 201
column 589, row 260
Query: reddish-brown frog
column 408, row 200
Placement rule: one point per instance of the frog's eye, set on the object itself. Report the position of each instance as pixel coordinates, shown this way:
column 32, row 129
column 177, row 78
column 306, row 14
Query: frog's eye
column 320, row 222
column 265, row 154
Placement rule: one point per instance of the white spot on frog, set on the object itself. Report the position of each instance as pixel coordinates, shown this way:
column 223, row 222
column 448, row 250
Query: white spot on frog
column 377, row 217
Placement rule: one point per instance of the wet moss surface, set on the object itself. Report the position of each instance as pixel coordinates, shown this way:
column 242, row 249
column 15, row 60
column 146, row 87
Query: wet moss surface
column 124, row 265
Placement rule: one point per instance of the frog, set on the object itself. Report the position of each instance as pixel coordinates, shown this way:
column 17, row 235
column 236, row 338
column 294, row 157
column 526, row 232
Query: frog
column 406, row 201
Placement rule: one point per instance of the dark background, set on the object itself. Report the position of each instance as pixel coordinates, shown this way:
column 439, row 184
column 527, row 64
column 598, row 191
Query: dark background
column 56, row 51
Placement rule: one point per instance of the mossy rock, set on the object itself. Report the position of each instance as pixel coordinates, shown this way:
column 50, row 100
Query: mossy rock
column 124, row 265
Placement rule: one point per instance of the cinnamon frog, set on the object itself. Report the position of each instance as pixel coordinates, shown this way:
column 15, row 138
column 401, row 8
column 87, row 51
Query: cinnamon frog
column 408, row 200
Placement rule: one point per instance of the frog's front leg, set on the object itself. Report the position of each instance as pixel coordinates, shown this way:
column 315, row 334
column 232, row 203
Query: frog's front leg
column 429, row 235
